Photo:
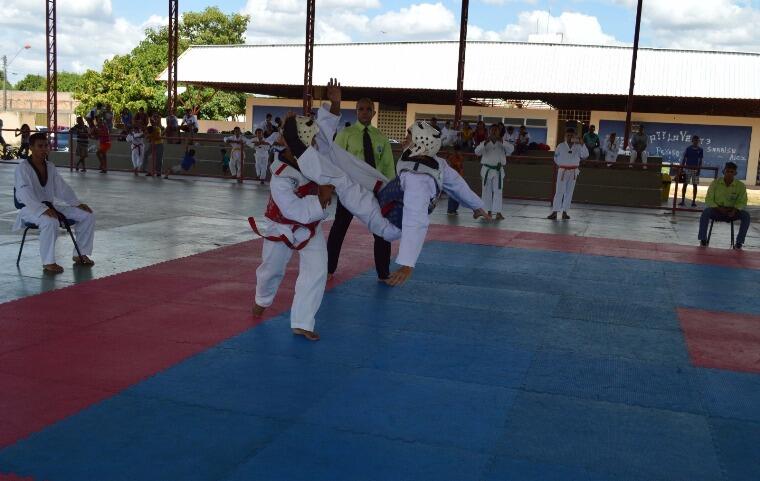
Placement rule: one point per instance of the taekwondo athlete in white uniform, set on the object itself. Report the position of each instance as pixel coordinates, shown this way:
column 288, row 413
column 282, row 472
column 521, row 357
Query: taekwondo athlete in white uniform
column 304, row 177
column 40, row 189
column 412, row 195
column 567, row 156
column 493, row 154
column 238, row 142
column 261, row 153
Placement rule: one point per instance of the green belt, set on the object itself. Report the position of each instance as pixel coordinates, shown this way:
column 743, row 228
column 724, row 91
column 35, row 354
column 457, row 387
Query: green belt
column 497, row 168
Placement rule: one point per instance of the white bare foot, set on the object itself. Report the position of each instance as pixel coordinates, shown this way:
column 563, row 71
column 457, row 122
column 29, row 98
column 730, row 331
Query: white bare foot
column 310, row 335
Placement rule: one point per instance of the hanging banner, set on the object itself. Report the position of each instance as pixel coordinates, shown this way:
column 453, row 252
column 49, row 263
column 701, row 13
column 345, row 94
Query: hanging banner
column 721, row 143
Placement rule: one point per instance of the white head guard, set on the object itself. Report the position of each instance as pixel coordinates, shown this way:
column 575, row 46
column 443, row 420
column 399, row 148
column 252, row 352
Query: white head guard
column 426, row 140
column 307, row 129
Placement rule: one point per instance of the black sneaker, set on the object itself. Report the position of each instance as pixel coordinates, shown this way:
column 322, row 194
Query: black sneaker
column 703, row 243
column 693, row 204
column 681, row 203
column 737, row 247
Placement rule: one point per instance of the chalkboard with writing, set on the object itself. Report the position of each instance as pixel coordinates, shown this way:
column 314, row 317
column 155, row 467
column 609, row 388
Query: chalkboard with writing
column 721, row 143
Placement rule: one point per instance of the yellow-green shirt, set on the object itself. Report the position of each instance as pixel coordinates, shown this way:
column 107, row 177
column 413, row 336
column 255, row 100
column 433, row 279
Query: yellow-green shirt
column 721, row 195
column 352, row 139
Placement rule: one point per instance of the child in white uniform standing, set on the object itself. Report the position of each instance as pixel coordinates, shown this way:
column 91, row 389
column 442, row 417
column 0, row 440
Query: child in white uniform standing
column 304, row 177
column 567, row 156
column 261, row 153
column 136, row 139
column 237, row 142
column 493, row 154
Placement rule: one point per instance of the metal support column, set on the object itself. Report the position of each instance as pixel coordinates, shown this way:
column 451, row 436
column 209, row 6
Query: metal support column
column 460, row 72
column 629, row 106
column 171, row 77
column 309, row 57
column 52, row 72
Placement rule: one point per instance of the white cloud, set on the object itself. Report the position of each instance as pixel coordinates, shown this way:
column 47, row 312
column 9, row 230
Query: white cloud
column 88, row 34
column 572, row 27
column 426, row 20
column 699, row 24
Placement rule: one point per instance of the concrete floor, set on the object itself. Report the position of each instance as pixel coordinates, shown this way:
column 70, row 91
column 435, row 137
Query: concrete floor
column 144, row 221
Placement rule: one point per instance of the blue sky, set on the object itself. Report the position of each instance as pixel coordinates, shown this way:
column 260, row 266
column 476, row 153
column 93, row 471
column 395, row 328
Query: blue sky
column 91, row 31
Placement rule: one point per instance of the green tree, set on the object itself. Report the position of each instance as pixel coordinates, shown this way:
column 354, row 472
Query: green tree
column 67, row 82
column 130, row 80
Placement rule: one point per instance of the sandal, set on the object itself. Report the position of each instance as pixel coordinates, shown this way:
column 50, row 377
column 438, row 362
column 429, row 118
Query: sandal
column 83, row 261
column 310, row 335
column 52, row 269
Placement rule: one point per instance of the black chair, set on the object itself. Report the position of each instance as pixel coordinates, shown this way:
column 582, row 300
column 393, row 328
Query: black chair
column 27, row 226
column 709, row 233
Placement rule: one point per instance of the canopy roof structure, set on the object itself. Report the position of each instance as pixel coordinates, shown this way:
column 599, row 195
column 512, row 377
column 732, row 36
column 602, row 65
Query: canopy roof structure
column 578, row 77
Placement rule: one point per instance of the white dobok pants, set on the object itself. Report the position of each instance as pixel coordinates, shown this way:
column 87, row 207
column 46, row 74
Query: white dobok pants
column 492, row 194
column 84, row 231
column 236, row 158
column 137, row 157
column 262, row 162
column 310, row 285
column 563, row 195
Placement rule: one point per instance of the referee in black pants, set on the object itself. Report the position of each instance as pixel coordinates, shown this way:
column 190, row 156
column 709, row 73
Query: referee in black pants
column 366, row 143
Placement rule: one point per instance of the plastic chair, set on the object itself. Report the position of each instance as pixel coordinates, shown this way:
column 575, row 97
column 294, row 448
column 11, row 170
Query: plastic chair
column 27, row 226
column 709, row 233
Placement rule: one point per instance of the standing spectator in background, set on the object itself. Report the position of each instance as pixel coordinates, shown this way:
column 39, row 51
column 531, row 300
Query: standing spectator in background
column 456, row 162
column 611, row 148
column 368, row 144
column 266, row 125
column 82, row 134
column 690, row 165
column 104, row 144
column 523, row 141
column 434, row 123
column 238, row 142
column 2, row 140
column 108, row 117
column 136, row 140
column 126, row 119
column 480, row 135
column 25, row 132
column 140, row 119
column 567, row 157
column 502, row 129
column 172, row 128
column 261, row 154
column 511, row 135
column 94, row 114
column 593, row 145
column 466, row 137
column 726, row 201
column 156, row 146
column 639, row 144
column 448, row 135
column 493, row 160
column 225, row 161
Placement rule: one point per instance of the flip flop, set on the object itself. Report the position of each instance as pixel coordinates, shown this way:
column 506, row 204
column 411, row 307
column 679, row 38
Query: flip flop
column 52, row 269
column 311, row 336
column 83, row 261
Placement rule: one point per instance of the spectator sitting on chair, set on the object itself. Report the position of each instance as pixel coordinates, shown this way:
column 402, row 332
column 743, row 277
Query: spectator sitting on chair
column 639, row 144
column 37, row 185
column 591, row 139
column 726, row 200
column 523, row 141
column 611, row 148
column 691, row 162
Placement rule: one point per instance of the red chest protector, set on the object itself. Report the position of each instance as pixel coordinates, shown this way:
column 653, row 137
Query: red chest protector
column 274, row 213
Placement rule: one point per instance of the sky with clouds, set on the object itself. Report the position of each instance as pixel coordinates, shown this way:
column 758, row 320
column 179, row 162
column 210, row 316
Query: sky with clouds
column 90, row 31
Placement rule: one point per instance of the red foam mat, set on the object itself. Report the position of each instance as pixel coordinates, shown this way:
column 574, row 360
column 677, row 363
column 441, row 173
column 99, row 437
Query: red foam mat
column 722, row 340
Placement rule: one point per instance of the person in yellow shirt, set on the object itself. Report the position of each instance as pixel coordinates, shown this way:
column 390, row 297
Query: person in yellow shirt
column 726, row 201
column 366, row 143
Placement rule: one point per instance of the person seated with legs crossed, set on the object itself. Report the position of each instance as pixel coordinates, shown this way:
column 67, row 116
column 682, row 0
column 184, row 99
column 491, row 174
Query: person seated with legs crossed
column 38, row 186
column 726, row 201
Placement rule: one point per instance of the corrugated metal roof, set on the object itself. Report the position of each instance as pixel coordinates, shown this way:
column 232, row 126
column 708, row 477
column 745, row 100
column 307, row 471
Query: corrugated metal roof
column 491, row 67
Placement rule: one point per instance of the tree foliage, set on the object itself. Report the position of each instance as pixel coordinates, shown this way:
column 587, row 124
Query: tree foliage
column 130, row 80
column 67, row 82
